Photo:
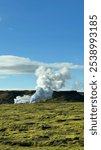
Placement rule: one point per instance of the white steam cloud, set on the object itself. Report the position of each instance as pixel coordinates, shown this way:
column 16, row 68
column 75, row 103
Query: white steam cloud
column 47, row 81
column 49, row 76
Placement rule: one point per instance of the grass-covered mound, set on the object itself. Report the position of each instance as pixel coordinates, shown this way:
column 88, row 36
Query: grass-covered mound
column 42, row 126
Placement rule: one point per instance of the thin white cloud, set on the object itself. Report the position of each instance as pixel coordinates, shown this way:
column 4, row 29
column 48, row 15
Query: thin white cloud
column 20, row 65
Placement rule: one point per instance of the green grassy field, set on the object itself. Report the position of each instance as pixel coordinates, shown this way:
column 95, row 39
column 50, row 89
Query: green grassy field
column 42, row 126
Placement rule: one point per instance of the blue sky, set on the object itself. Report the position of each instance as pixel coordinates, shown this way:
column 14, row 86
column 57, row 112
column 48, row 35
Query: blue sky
column 49, row 31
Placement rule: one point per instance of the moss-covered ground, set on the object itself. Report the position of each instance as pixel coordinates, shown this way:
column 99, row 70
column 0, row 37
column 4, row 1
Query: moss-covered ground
column 42, row 126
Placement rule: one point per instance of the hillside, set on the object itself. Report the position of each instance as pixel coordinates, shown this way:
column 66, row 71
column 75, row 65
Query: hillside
column 7, row 97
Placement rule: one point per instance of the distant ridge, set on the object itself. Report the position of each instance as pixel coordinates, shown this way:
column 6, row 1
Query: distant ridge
column 7, row 97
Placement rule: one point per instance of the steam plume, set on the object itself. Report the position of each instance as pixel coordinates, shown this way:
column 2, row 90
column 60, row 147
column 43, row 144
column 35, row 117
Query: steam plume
column 48, row 79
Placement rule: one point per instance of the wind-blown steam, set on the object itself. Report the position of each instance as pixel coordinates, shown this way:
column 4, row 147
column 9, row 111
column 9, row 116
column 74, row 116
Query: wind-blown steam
column 23, row 99
column 48, row 79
